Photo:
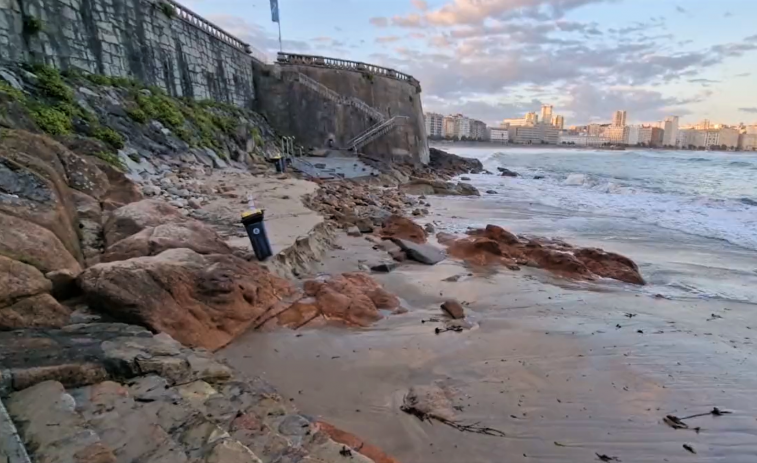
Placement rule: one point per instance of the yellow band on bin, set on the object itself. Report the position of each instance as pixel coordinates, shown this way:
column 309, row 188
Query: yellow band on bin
column 249, row 213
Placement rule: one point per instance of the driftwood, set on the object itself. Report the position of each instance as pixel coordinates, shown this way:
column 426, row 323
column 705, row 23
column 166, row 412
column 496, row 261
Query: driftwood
column 677, row 423
column 409, row 406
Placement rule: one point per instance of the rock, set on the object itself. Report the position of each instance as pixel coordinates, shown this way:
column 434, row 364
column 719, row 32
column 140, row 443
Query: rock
column 135, row 217
column 430, row 401
column 19, row 281
column 538, row 177
column 355, row 444
column 199, row 300
column 11, row 79
column 52, row 427
column 429, row 228
column 195, row 203
column 507, row 172
column 401, row 227
column 500, row 235
column 384, row 267
column 364, row 225
column 422, row 253
column 437, row 187
column 151, row 190
column 453, row 309
column 417, row 212
column 610, row 265
column 40, row 311
column 449, row 164
column 35, row 186
column 491, row 192
column 467, row 179
column 353, row 299
column 353, row 231
column 30, row 243
column 90, row 225
column 151, row 241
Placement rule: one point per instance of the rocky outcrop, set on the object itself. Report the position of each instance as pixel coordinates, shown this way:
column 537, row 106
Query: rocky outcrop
column 420, row 186
column 496, row 246
column 151, row 241
column 453, row 309
column 352, row 299
column 397, row 226
column 200, row 300
column 25, row 299
column 30, row 243
column 135, row 217
column 351, row 203
column 448, row 164
column 423, row 253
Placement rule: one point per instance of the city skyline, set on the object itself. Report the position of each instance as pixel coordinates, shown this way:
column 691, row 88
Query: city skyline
column 494, row 58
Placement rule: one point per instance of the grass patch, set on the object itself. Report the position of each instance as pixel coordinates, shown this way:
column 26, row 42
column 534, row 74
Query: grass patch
column 168, row 10
column 32, row 25
column 52, row 120
column 111, row 159
column 137, row 115
column 51, row 83
column 98, row 79
column 14, row 93
column 162, row 108
column 109, row 136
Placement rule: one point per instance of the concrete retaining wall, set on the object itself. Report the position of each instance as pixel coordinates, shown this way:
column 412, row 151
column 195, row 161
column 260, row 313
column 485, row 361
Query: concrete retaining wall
column 156, row 42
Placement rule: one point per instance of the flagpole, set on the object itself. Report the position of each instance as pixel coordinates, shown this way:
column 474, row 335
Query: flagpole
column 281, row 47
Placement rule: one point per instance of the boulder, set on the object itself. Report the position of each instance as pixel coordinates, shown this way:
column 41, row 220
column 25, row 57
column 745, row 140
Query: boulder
column 151, row 241
column 507, row 172
column 353, row 231
column 19, row 281
column 450, row 164
column 500, row 235
column 610, row 265
column 397, row 226
column 36, row 191
column 40, row 311
column 422, row 253
column 37, row 246
column 90, row 217
column 135, row 217
column 384, row 267
column 200, row 300
column 453, row 309
column 353, row 299
column 419, row 186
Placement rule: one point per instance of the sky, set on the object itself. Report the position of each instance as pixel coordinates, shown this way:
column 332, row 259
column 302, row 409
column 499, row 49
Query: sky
column 496, row 59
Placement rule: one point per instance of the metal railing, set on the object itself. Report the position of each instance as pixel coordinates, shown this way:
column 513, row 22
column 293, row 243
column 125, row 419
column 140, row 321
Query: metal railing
column 336, row 63
column 194, row 19
column 338, row 98
column 375, row 132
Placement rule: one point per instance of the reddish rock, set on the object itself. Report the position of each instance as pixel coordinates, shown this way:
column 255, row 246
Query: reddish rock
column 135, row 217
column 401, row 227
column 203, row 301
column 28, row 242
column 494, row 246
column 354, row 299
column 610, row 265
column 354, row 443
column 40, row 311
column 152, row 241
column 19, row 280
column 453, row 309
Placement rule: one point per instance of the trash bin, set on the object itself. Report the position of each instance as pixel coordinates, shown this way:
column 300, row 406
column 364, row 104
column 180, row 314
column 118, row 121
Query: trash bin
column 253, row 223
column 280, row 164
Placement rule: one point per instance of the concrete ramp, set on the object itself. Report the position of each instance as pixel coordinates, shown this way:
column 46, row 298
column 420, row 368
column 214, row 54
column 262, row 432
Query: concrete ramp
column 333, row 167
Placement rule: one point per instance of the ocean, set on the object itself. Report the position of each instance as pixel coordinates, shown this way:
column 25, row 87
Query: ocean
column 689, row 219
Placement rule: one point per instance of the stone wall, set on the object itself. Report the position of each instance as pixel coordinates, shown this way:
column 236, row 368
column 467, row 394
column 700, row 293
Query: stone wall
column 155, row 42
column 296, row 110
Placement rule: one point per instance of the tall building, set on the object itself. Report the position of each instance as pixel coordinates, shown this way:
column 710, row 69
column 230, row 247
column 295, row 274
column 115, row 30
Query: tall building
column 532, row 118
column 478, row 130
column 434, row 125
column 748, row 142
column 650, row 136
column 594, row 130
column 498, row 135
column 462, row 126
column 670, row 137
column 619, row 119
column 559, row 122
column 448, row 127
column 546, row 113
column 705, row 124
column 632, row 135
column 617, row 135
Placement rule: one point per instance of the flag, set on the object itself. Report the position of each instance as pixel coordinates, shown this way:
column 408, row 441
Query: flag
column 275, row 11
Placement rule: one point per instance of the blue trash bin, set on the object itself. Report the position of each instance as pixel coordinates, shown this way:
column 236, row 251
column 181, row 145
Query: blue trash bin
column 253, row 223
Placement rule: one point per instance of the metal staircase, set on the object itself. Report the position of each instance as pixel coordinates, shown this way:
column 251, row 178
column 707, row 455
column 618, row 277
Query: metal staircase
column 375, row 132
column 336, row 97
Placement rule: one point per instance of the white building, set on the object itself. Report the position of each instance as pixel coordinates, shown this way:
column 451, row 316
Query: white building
column 709, row 139
column 670, row 137
column 617, row 135
column 434, row 124
column 619, row 118
column 559, row 122
column 499, row 135
column 536, row 134
column 748, row 142
column 546, row 113
column 462, row 126
column 583, row 140
column 632, row 135
column 691, row 138
column 448, row 127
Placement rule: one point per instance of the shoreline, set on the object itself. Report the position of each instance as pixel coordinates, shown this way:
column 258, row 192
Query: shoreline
column 451, row 145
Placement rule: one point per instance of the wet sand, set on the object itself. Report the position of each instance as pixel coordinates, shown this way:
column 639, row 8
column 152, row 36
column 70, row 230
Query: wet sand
column 547, row 364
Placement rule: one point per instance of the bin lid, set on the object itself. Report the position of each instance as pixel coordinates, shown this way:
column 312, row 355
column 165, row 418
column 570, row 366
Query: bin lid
column 246, row 214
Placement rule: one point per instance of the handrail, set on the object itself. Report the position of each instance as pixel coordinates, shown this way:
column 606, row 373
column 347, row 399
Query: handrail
column 194, row 19
column 337, row 63
column 374, row 132
column 338, row 98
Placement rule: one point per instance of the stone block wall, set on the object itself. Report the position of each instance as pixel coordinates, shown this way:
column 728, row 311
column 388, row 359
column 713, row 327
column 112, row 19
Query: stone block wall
column 148, row 40
column 295, row 110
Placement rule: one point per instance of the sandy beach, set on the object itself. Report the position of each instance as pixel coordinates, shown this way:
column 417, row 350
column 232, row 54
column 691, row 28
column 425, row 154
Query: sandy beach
column 566, row 370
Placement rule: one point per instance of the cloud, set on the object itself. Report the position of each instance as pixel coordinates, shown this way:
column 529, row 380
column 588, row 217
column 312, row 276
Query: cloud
column 704, row 81
column 743, row 74
column 491, row 112
column 727, row 14
column 255, row 35
column 420, row 4
column 589, row 102
column 681, row 9
column 379, row 21
column 388, row 39
column 475, row 12
column 752, row 110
